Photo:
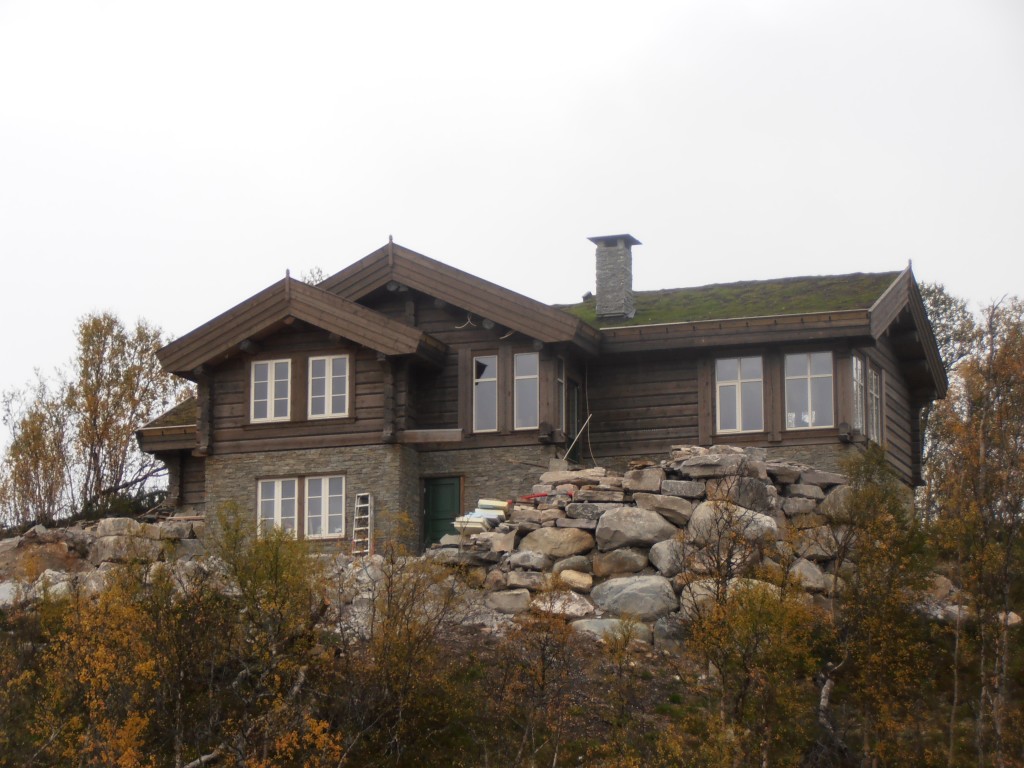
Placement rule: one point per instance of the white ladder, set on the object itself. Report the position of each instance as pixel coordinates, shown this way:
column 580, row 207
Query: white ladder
column 362, row 525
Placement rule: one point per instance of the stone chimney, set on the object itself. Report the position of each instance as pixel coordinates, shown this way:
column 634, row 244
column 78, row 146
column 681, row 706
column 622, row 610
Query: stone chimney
column 615, row 276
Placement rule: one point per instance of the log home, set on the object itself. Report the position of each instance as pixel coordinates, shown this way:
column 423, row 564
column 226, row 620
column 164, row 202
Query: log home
column 407, row 387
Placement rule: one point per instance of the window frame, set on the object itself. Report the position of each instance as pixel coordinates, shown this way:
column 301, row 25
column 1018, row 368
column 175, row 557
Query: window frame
column 809, row 378
column 516, row 378
column 859, row 393
column 561, row 392
column 476, row 389
column 738, row 384
column 272, row 394
column 874, row 418
column 329, row 392
column 277, row 499
column 325, row 513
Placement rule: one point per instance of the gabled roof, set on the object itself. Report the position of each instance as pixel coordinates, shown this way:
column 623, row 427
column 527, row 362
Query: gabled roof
column 393, row 262
column 746, row 299
column 288, row 298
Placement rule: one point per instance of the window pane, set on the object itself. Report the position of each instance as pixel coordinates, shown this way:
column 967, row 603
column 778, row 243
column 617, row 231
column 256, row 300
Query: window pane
column 485, row 367
column 821, row 401
column 727, row 370
column 260, row 372
column 797, row 414
column 260, row 390
column 281, row 372
column 750, row 367
column 280, row 407
column 821, row 364
column 796, row 365
column 526, row 403
column 319, row 367
column 314, row 486
column 314, row 516
column 753, row 407
column 527, row 364
column 727, row 407
column 338, row 404
column 336, row 486
column 259, row 409
column 485, row 405
column 319, row 387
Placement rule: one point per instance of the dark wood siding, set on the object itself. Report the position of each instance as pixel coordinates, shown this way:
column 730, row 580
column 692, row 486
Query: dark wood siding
column 641, row 404
column 898, row 411
column 232, row 430
column 193, row 480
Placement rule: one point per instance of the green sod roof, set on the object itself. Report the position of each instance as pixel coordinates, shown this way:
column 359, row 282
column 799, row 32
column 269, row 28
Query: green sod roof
column 749, row 298
column 184, row 414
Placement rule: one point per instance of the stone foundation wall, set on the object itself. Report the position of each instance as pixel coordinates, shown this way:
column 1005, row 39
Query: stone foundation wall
column 383, row 470
column 502, row 473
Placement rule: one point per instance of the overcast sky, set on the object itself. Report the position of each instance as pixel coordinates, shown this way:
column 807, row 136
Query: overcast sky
column 167, row 160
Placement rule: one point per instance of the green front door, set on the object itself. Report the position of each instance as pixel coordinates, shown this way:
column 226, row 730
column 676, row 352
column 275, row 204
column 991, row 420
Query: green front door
column 441, row 505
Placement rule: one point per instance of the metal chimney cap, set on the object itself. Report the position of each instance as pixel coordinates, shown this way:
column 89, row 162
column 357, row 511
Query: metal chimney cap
column 611, row 241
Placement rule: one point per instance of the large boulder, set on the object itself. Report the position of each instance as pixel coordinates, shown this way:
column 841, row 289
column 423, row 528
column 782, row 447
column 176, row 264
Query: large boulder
column 674, row 509
column 688, row 489
column 510, row 601
column 568, row 605
column 577, row 581
column 669, row 557
column 592, row 476
column 713, row 465
column 585, row 510
column 807, row 575
column 609, row 629
column 558, row 542
column 713, row 520
column 620, row 561
column 644, row 598
column 529, row 560
column 744, row 492
column 632, row 527
column 643, row 480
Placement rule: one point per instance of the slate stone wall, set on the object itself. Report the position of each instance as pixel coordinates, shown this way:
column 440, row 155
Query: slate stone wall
column 490, row 472
column 389, row 472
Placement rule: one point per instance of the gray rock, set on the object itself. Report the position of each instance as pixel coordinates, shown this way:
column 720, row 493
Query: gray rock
column 558, row 542
column 576, row 580
column 524, row 514
column 125, row 549
column 10, row 593
column 783, row 472
column 670, row 632
column 643, row 480
column 713, row 520
column 117, row 526
column 175, row 529
column 187, row 549
column 711, row 465
column 631, row 526
column 644, row 598
column 673, row 508
column 6, row 545
column 587, row 510
column 620, row 561
column 823, row 479
column 669, row 557
column 607, row 629
column 805, row 491
column 500, row 541
column 568, row 605
column 837, row 502
column 817, row 544
column 802, row 522
column 742, row 491
column 508, row 601
column 575, row 563
column 575, row 476
column 794, row 506
column 687, row 489
column 606, row 495
column 583, row 525
column 531, row 580
column 807, row 575
column 528, row 560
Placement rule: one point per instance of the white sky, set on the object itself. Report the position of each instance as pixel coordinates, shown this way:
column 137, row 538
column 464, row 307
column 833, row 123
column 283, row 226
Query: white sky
column 167, row 160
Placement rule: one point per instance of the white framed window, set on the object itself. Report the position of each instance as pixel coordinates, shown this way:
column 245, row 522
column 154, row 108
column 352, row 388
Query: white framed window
column 874, row 406
column 269, row 399
column 527, row 390
column 739, row 394
column 485, row 393
column 809, row 398
column 277, row 504
column 328, row 387
column 325, row 507
column 858, row 393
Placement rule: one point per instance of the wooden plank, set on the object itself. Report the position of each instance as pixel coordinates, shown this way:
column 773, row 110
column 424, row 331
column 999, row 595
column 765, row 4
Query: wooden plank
column 705, row 400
